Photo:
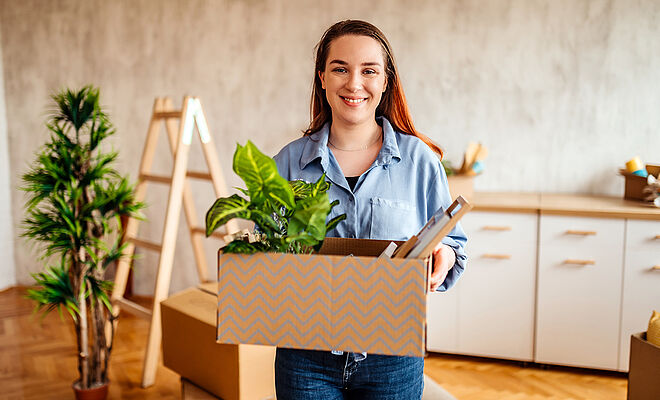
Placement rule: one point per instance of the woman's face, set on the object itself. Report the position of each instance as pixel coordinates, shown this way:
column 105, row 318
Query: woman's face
column 354, row 79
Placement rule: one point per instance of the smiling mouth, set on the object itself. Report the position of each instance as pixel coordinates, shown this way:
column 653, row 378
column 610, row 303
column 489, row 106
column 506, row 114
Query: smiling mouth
column 353, row 101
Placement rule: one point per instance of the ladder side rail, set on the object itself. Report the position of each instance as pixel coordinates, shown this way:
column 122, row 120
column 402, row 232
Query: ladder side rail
column 217, row 177
column 166, row 260
column 189, row 205
column 132, row 224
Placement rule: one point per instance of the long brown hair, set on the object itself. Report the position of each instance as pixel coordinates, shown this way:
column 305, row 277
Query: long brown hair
column 393, row 105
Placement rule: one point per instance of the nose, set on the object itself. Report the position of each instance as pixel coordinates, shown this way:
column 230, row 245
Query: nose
column 354, row 81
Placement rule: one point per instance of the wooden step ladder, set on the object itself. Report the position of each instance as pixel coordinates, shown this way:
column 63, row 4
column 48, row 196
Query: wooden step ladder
column 180, row 126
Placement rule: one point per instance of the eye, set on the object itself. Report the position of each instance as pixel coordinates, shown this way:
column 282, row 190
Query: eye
column 340, row 70
column 369, row 71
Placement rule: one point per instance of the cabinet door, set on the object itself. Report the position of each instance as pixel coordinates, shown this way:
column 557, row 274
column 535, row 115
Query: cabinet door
column 441, row 320
column 497, row 291
column 579, row 291
column 641, row 281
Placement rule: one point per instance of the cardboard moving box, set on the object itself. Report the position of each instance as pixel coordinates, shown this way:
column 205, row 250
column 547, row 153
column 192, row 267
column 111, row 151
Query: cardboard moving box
column 231, row 372
column 635, row 185
column 325, row 301
column 644, row 374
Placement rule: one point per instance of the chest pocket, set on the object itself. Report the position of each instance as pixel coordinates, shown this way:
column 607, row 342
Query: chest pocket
column 392, row 219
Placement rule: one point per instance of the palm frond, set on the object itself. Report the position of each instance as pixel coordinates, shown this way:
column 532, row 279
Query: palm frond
column 53, row 292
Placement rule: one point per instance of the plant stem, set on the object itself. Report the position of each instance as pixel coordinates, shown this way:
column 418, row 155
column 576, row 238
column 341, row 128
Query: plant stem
column 84, row 332
column 98, row 343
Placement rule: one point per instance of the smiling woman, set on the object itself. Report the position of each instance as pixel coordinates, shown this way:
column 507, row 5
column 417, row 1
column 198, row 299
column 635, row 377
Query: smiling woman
column 389, row 181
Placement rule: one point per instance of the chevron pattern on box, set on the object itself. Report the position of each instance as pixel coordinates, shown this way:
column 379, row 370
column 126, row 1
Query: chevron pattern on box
column 318, row 302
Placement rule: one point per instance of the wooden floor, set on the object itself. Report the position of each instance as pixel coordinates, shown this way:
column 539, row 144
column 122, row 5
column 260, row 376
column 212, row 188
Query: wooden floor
column 37, row 361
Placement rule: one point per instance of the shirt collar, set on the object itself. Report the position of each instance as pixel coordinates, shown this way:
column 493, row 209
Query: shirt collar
column 317, row 146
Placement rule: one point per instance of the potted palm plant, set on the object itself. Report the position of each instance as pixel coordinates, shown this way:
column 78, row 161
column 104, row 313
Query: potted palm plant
column 75, row 200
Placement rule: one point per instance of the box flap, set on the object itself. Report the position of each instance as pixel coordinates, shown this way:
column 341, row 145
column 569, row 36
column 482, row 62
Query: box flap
column 195, row 303
column 356, row 247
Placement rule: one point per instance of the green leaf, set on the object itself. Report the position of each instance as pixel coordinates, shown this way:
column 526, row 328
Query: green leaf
column 302, row 189
column 54, row 291
column 225, row 209
column 309, row 216
column 234, row 206
column 332, row 224
column 242, row 247
column 259, row 172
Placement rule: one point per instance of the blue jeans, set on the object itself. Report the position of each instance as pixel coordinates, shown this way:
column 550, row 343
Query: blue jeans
column 321, row 375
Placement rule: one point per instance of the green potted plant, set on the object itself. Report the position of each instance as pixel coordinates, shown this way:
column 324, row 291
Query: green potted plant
column 75, row 202
column 290, row 216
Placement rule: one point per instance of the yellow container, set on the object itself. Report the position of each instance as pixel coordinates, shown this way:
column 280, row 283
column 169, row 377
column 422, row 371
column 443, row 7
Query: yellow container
column 635, row 164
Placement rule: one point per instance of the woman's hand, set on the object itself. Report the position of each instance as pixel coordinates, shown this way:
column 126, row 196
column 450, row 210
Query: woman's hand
column 443, row 260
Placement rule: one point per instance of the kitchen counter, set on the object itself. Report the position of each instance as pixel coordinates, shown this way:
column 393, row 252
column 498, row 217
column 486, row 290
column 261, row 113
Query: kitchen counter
column 565, row 204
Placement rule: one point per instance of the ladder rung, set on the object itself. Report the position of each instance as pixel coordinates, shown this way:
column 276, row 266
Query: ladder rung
column 168, row 179
column 134, row 308
column 168, row 114
column 202, row 231
column 155, row 178
column 199, row 175
column 146, row 244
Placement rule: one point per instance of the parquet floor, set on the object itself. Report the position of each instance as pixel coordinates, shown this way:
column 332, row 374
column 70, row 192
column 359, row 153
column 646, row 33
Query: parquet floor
column 37, row 361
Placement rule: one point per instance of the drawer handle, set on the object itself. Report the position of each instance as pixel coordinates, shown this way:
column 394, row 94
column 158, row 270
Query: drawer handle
column 497, row 256
column 580, row 262
column 496, row 228
column 655, row 268
column 581, row 233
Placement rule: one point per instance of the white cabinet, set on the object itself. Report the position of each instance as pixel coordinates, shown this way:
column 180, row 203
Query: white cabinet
column 442, row 320
column 641, row 281
column 496, row 295
column 552, row 286
column 580, row 268
column 490, row 312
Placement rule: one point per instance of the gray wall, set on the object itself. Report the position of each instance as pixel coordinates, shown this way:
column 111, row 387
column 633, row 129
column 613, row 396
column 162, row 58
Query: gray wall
column 562, row 91
column 7, row 266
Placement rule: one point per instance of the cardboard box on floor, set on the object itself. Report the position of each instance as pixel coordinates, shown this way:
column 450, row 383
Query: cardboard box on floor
column 644, row 372
column 325, row 301
column 231, row 372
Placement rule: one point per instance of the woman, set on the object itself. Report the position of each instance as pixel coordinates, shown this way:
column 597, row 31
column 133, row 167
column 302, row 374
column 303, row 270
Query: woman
column 389, row 182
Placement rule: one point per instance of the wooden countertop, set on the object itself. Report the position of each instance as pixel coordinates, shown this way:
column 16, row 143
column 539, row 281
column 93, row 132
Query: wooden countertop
column 565, row 204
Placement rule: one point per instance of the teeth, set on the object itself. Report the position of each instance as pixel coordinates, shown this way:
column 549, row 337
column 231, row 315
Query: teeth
column 356, row 101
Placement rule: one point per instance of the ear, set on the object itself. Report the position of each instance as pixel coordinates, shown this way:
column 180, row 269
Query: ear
column 322, row 78
column 385, row 85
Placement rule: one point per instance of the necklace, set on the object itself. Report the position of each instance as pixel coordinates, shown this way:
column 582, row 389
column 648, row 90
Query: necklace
column 361, row 148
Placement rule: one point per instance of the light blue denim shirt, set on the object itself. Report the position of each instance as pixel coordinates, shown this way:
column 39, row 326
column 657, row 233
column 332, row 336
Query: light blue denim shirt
column 392, row 200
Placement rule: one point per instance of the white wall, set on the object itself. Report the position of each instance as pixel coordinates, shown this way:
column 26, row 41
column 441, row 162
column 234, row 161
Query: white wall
column 562, row 91
column 7, row 266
